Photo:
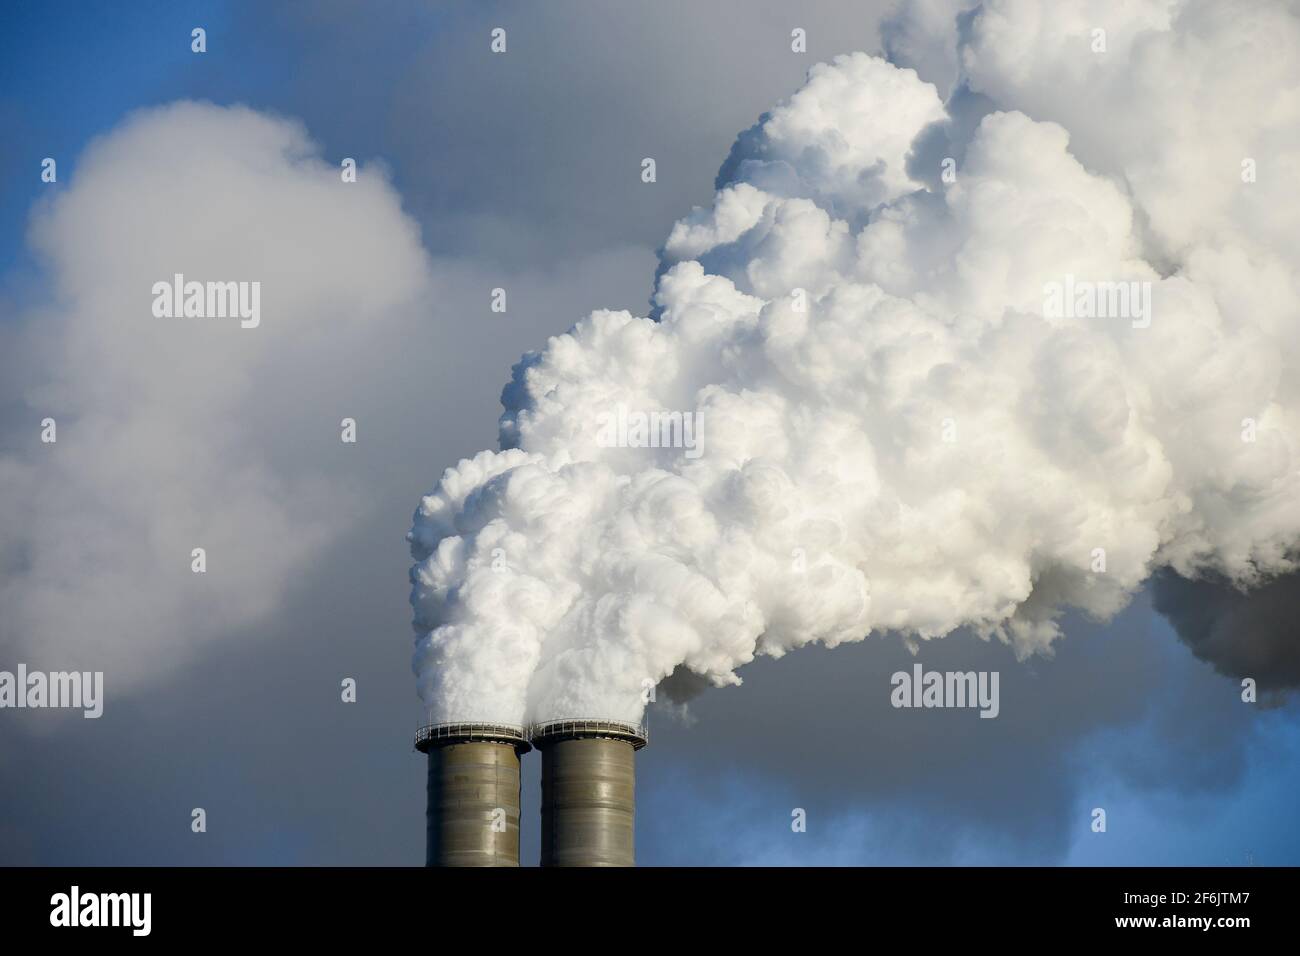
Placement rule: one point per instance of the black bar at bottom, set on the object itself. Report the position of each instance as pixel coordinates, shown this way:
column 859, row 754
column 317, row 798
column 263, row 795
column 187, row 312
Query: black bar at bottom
column 330, row 905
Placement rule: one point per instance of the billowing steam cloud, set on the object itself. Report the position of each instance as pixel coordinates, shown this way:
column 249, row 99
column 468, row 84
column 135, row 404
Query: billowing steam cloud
column 935, row 365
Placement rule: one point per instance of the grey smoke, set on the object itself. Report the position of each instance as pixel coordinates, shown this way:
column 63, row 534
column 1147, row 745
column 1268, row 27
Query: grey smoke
column 1243, row 633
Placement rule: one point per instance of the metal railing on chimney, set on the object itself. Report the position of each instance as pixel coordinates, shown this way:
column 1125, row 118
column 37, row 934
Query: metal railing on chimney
column 427, row 735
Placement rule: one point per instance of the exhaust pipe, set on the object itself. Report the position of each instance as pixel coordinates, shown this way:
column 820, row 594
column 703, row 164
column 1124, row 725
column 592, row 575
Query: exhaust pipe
column 472, row 818
column 588, row 791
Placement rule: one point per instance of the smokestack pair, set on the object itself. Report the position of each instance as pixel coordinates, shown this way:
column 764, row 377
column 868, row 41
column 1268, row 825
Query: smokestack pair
column 588, row 792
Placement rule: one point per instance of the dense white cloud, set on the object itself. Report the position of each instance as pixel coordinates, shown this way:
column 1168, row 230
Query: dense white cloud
column 928, row 445
column 1184, row 92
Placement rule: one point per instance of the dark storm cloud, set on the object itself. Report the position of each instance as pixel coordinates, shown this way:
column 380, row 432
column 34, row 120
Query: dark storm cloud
column 1254, row 633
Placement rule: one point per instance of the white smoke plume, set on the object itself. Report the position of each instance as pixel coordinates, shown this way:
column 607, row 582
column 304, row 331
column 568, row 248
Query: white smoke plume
column 171, row 434
column 897, row 429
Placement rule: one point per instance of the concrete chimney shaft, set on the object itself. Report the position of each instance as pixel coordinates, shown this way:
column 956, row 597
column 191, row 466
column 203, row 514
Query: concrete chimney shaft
column 473, row 789
column 588, row 791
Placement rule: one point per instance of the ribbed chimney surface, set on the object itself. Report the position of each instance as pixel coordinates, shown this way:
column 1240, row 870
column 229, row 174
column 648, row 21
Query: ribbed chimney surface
column 588, row 791
column 473, row 809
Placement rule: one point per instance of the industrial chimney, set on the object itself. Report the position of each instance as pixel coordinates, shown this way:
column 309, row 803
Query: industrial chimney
column 588, row 791
column 473, row 810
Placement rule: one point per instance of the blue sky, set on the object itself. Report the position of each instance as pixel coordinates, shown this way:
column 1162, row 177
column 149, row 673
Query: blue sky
column 503, row 180
column 70, row 71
